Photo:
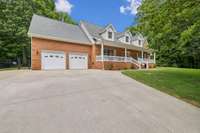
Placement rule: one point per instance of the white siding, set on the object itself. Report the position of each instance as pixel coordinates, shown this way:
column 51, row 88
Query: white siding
column 123, row 38
column 105, row 34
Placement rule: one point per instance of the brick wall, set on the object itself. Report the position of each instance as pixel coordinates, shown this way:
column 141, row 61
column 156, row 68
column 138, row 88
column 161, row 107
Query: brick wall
column 39, row 44
column 44, row 44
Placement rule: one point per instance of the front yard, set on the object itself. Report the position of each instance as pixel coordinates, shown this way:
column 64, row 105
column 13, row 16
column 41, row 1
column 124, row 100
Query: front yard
column 179, row 82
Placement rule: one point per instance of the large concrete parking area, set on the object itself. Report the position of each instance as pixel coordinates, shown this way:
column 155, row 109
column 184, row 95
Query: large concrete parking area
column 90, row 101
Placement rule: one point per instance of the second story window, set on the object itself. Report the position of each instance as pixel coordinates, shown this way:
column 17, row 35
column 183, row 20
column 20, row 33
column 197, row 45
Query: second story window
column 110, row 35
column 139, row 41
column 127, row 39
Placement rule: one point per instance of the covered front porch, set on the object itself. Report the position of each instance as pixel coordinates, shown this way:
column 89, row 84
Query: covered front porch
column 109, row 57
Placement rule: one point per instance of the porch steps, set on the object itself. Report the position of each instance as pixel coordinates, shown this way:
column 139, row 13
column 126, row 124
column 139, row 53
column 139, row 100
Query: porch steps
column 135, row 62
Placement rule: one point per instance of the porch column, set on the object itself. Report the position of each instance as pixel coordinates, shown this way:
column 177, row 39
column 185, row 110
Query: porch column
column 125, row 55
column 154, row 57
column 142, row 55
column 93, row 54
column 102, row 55
column 147, row 64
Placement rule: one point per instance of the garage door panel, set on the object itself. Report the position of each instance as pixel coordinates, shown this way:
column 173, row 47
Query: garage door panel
column 53, row 60
column 78, row 61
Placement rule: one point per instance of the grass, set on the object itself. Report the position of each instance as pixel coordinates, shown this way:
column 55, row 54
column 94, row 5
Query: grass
column 179, row 82
column 6, row 69
column 12, row 68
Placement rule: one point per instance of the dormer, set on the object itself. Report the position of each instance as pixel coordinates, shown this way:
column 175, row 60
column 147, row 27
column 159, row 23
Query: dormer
column 138, row 40
column 125, row 37
column 108, row 33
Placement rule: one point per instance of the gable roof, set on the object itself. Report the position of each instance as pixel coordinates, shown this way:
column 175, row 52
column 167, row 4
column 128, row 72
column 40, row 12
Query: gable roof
column 93, row 29
column 106, row 27
column 56, row 30
column 85, row 33
column 121, row 34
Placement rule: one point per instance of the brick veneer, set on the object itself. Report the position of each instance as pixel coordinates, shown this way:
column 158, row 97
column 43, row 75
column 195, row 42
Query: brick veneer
column 39, row 44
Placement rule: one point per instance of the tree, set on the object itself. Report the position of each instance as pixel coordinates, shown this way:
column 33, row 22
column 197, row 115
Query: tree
column 15, row 18
column 172, row 28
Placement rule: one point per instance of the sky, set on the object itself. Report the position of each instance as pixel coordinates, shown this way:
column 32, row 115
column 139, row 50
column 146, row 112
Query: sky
column 120, row 13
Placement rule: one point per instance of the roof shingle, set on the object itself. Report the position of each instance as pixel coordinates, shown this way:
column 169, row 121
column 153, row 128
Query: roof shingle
column 45, row 27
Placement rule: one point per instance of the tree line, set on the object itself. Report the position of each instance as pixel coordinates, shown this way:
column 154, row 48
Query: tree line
column 15, row 18
column 173, row 30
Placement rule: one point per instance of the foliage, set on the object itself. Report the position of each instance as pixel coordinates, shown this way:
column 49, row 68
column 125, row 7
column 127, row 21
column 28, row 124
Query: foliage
column 173, row 30
column 179, row 82
column 15, row 17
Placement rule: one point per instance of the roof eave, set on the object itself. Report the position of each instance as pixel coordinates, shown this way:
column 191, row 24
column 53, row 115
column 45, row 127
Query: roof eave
column 55, row 38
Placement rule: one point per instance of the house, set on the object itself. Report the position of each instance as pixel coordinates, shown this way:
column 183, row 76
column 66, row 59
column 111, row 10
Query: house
column 57, row 45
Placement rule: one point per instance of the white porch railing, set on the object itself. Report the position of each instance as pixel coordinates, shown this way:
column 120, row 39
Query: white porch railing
column 145, row 60
column 111, row 58
column 138, row 61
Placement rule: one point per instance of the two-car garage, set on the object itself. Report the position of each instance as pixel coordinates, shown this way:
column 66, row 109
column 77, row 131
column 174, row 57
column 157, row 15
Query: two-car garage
column 58, row 60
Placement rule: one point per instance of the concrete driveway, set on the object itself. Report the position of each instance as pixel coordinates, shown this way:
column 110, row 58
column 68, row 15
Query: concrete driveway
column 90, row 101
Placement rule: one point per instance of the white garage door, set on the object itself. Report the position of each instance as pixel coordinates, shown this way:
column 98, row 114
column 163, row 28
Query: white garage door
column 53, row 60
column 78, row 61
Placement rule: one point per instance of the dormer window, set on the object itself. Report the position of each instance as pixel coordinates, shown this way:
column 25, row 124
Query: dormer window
column 139, row 41
column 127, row 39
column 110, row 35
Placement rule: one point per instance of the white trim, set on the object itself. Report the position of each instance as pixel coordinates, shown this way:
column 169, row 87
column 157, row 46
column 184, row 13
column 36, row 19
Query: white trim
column 31, row 52
column 53, row 51
column 110, row 25
column 78, row 53
column 86, row 32
column 55, row 38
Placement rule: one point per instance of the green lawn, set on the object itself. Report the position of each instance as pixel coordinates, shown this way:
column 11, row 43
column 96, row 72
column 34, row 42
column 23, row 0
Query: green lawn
column 13, row 68
column 6, row 69
column 179, row 82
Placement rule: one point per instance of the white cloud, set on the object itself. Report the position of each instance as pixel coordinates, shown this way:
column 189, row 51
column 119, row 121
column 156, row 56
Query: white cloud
column 122, row 9
column 131, row 8
column 63, row 6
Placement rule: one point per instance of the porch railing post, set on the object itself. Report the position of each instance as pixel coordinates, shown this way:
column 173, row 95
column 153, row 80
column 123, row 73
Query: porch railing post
column 154, row 57
column 125, row 55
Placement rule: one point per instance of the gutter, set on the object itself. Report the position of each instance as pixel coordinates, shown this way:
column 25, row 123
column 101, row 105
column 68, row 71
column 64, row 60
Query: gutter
column 55, row 38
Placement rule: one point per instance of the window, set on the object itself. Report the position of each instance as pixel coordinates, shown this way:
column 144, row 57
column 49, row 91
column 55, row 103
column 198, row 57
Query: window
column 108, row 51
column 110, row 35
column 127, row 39
column 139, row 42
